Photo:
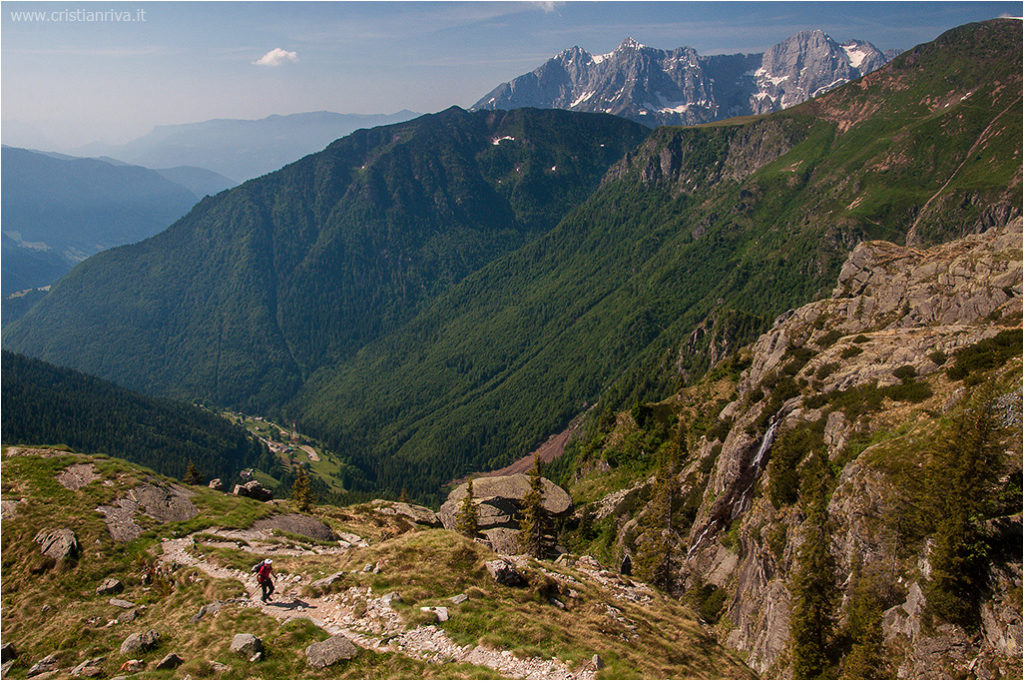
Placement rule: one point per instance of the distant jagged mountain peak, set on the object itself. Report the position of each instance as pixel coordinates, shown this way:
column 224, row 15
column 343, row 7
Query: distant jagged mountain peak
column 680, row 87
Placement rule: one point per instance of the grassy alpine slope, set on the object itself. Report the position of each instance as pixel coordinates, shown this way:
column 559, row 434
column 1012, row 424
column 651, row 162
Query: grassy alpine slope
column 53, row 608
column 716, row 229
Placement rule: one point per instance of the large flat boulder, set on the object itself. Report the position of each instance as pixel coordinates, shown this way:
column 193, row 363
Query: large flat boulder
column 498, row 500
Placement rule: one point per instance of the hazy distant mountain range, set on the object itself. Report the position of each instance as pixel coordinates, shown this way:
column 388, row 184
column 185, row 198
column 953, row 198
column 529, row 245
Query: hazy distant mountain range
column 681, row 87
column 241, row 149
column 59, row 209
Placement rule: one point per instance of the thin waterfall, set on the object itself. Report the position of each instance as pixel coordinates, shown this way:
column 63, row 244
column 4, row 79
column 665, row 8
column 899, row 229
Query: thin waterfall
column 742, row 502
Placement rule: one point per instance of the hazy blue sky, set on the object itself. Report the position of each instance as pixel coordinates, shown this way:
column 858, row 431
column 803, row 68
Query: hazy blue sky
column 68, row 81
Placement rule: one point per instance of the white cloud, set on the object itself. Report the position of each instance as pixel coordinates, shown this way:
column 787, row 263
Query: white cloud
column 276, row 57
column 548, row 5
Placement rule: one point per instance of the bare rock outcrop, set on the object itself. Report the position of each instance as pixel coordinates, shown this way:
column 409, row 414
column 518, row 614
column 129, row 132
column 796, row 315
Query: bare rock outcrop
column 296, row 523
column 418, row 514
column 170, row 503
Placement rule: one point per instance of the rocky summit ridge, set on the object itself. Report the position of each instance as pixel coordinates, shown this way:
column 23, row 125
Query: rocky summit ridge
column 681, row 87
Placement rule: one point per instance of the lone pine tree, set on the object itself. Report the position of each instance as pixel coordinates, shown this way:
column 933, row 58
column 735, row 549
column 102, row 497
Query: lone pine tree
column 534, row 526
column 465, row 521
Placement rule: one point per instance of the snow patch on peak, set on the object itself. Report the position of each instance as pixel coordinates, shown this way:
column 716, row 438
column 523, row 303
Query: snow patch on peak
column 582, row 98
column 598, row 58
column 630, row 44
column 855, row 54
column 498, row 140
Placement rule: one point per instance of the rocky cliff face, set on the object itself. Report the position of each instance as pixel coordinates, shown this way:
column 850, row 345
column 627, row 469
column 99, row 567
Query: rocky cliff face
column 893, row 307
column 681, row 87
column 871, row 378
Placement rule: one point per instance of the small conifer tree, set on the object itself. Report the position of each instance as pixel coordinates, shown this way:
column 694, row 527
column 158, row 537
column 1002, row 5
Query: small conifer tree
column 192, row 475
column 302, row 495
column 655, row 560
column 465, row 521
column 534, row 539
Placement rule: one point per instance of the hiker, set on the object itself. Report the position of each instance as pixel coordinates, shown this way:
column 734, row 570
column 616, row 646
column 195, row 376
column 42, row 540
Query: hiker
column 263, row 574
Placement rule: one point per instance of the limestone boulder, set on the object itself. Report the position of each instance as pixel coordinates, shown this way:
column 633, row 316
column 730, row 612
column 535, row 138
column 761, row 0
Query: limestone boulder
column 253, row 490
column 504, row 572
column 418, row 514
column 58, row 544
column 139, row 642
column 109, row 586
column 330, row 651
column 246, row 645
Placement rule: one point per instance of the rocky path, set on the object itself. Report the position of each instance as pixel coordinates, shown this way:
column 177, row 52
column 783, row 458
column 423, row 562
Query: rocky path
column 377, row 627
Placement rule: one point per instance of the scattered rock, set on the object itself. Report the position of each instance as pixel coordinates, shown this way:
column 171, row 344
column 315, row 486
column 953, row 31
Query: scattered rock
column 597, row 661
column 89, row 669
column 253, row 490
column 257, row 657
column 246, row 645
column 369, row 567
column 132, row 666
column 208, row 609
column 58, row 544
column 77, row 476
column 5, row 667
column 392, row 597
column 328, row 581
column 139, row 642
column 170, row 661
column 9, row 507
column 121, row 603
column 110, row 585
column 217, row 484
column 296, row 523
column 330, row 651
column 418, row 514
column 557, row 603
column 218, row 667
column 46, row 608
column 626, row 567
column 504, row 572
column 461, row 598
column 127, row 617
column 440, row 612
column 47, row 664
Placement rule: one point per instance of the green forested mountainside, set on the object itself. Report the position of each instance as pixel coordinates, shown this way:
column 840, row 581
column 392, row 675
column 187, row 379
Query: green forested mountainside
column 695, row 242
column 256, row 288
column 48, row 405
